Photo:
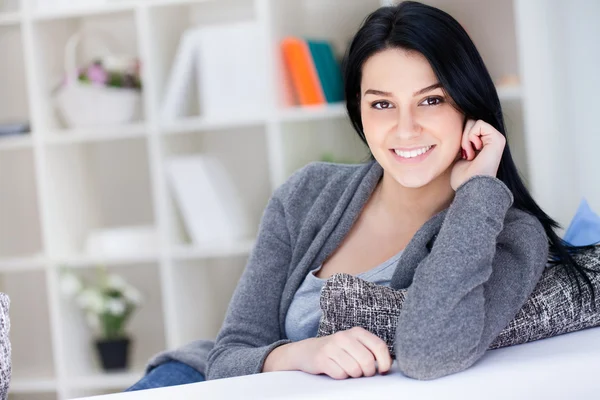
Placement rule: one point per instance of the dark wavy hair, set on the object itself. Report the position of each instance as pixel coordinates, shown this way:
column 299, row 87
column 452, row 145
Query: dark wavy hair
column 464, row 77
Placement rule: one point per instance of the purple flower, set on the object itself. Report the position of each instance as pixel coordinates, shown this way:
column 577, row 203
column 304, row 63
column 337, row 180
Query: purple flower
column 97, row 74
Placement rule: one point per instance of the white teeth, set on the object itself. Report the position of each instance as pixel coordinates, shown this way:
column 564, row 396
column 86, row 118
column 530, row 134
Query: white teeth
column 412, row 153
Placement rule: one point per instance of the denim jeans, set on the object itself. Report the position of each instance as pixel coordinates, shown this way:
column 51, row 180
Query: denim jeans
column 171, row 373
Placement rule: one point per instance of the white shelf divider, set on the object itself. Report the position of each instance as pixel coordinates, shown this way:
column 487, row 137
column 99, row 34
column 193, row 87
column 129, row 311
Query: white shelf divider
column 159, row 190
column 311, row 113
column 182, row 253
column 509, row 92
column 86, row 261
column 22, row 264
column 201, row 124
column 10, row 18
column 16, row 142
column 29, row 386
column 103, row 133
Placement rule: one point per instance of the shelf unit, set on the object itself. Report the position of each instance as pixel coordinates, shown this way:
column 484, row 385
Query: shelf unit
column 71, row 181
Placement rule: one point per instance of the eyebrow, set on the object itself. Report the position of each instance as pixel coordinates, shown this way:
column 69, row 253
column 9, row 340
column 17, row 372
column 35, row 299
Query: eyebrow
column 418, row 92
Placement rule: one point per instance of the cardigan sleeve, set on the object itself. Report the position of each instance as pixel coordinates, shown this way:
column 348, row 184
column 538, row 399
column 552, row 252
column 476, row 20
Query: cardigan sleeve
column 477, row 277
column 251, row 327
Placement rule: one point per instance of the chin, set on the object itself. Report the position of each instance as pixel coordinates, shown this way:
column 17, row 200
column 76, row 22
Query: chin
column 412, row 181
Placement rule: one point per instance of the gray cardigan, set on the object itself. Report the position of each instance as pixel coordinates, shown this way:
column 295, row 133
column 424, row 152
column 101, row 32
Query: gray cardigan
column 468, row 270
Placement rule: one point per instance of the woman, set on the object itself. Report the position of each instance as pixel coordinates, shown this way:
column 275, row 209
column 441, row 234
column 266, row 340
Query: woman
column 440, row 209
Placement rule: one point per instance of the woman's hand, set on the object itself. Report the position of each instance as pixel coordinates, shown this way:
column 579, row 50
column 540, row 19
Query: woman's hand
column 350, row 353
column 482, row 147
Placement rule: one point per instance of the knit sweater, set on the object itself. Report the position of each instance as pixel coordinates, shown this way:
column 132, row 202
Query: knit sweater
column 468, row 270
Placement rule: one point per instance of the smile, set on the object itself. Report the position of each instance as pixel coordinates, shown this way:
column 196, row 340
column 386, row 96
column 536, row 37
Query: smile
column 413, row 153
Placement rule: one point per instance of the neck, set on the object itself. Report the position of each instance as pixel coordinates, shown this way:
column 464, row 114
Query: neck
column 414, row 205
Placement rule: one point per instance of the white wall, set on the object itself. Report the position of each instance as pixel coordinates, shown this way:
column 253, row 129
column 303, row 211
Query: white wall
column 582, row 101
column 560, row 88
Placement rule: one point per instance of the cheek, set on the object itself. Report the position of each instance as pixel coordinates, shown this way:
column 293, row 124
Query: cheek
column 447, row 124
column 376, row 123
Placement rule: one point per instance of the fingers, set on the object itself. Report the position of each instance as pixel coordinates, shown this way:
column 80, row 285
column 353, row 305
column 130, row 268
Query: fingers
column 364, row 358
column 475, row 136
column 333, row 370
column 354, row 353
column 466, row 142
column 377, row 347
column 347, row 361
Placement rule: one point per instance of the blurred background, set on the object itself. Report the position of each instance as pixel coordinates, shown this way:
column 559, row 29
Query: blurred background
column 141, row 139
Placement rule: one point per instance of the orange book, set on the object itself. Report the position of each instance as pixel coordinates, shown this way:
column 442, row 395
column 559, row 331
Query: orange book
column 302, row 71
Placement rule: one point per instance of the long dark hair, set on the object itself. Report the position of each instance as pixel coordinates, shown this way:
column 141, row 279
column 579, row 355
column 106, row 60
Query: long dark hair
column 464, row 77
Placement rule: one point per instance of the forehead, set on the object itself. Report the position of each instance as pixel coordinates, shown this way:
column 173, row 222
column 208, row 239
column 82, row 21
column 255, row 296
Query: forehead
column 397, row 70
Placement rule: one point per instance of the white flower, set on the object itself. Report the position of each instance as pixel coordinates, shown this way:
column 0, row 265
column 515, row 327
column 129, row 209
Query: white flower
column 132, row 295
column 115, row 282
column 70, row 285
column 90, row 299
column 115, row 306
column 118, row 63
column 93, row 320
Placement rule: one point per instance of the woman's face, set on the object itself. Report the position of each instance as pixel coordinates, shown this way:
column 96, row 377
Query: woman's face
column 410, row 125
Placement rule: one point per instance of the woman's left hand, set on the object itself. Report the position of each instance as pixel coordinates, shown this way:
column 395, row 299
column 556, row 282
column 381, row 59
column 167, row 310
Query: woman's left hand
column 482, row 145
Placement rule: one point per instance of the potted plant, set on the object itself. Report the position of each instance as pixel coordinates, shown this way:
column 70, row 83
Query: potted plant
column 104, row 92
column 108, row 304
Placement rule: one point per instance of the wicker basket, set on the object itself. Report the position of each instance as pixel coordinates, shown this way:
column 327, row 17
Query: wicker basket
column 83, row 104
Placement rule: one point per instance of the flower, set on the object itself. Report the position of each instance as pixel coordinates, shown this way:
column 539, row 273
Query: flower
column 97, row 74
column 115, row 307
column 115, row 282
column 119, row 63
column 132, row 295
column 91, row 299
column 108, row 303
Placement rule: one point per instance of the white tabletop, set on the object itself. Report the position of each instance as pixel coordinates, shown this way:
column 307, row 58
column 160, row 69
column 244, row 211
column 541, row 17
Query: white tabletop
column 562, row 367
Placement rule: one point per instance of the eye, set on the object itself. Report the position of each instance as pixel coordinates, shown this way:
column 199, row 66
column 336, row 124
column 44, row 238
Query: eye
column 381, row 105
column 432, row 101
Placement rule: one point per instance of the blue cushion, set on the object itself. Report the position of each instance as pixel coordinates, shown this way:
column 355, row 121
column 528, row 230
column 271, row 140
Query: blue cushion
column 584, row 228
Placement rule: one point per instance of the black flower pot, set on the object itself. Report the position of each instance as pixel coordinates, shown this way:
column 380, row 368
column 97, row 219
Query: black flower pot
column 113, row 353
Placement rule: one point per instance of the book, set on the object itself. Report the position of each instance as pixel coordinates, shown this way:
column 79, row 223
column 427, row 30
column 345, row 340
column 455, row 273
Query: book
column 302, row 71
column 178, row 88
column 14, row 128
column 231, row 69
column 207, row 200
column 328, row 68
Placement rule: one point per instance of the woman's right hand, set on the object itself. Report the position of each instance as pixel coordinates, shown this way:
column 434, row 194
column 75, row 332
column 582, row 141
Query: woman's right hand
column 350, row 353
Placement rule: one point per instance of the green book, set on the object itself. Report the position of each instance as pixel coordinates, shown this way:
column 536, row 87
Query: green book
column 328, row 69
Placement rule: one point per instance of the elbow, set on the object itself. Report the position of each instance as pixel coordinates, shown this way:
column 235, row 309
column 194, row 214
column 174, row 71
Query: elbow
column 429, row 365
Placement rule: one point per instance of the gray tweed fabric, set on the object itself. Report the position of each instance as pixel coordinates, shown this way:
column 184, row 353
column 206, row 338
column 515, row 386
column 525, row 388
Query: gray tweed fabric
column 5, row 364
column 552, row 309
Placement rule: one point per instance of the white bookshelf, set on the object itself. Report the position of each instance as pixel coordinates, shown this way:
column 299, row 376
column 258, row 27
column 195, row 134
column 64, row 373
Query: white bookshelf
column 59, row 183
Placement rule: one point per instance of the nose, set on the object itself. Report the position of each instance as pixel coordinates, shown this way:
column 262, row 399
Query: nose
column 407, row 127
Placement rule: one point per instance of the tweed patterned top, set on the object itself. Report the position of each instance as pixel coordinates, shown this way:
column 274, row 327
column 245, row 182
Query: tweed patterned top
column 552, row 309
column 304, row 314
column 5, row 362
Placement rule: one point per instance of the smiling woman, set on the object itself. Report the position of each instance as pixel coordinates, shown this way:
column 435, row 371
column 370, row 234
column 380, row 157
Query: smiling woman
column 411, row 74
column 439, row 210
